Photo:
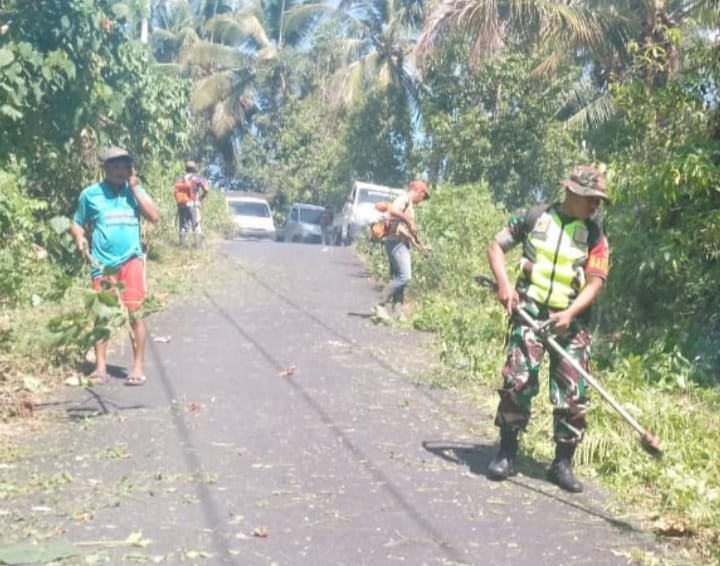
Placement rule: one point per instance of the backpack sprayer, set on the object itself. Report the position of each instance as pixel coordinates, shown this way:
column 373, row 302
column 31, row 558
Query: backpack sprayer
column 649, row 442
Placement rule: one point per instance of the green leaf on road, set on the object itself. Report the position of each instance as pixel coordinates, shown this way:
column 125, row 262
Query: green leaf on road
column 31, row 553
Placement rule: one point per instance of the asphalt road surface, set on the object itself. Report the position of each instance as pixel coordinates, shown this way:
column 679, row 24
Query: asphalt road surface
column 280, row 426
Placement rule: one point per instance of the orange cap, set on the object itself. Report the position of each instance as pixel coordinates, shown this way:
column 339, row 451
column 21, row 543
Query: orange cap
column 420, row 187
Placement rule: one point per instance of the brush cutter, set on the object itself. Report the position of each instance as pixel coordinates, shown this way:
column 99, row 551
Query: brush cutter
column 649, row 442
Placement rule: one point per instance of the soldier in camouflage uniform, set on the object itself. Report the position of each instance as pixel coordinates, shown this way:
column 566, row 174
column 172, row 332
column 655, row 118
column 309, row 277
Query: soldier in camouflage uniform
column 563, row 269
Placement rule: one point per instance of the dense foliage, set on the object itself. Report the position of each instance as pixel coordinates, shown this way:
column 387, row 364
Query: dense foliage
column 72, row 83
column 496, row 123
column 297, row 100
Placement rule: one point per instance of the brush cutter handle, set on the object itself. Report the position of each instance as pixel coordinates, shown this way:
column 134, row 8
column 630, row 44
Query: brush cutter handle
column 649, row 441
column 588, row 377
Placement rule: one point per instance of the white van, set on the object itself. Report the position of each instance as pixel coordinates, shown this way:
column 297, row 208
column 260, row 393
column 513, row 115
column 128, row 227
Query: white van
column 252, row 217
column 359, row 210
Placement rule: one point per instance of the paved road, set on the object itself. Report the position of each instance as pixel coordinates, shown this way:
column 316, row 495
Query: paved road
column 227, row 456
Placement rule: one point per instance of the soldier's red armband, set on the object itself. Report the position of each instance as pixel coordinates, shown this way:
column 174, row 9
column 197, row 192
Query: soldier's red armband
column 598, row 261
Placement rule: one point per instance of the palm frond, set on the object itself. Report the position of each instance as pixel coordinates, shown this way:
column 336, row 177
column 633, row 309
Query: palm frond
column 241, row 29
column 160, row 36
column 350, row 49
column 300, row 20
column 568, row 26
column 486, row 23
column 164, row 45
column 384, row 76
column 267, row 54
column 213, row 8
column 213, row 56
column 253, row 7
column 547, row 66
column 410, row 81
column 475, row 18
column 187, row 37
column 172, row 69
column 173, row 15
column 242, row 103
column 355, row 78
column 410, row 12
column 210, row 91
column 706, row 11
column 223, row 120
column 346, row 6
column 593, row 113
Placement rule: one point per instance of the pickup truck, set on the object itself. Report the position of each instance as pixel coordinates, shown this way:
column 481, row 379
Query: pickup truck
column 359, row 210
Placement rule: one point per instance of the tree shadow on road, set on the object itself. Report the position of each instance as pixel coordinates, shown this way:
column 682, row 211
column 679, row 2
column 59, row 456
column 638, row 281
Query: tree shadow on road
column 115, row 372
column 361, row 275
column 366, row 315
column 477, row 457
column 93, row 405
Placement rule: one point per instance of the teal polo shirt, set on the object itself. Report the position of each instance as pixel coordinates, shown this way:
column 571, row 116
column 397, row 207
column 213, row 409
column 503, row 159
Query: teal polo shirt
column 114, row 221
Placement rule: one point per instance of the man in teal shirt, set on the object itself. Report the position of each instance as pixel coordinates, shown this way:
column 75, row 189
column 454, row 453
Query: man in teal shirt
column 110, row 212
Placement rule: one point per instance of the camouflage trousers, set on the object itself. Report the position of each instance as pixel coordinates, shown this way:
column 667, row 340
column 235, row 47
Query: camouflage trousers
column 568, row 391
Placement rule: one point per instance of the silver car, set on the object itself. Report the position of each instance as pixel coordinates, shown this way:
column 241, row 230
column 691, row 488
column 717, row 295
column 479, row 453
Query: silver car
column 302, row 224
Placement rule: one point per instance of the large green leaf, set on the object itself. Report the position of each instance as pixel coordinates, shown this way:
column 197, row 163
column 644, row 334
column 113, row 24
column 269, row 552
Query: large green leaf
column 109, row 298
column 42, row 553
column 60, row 224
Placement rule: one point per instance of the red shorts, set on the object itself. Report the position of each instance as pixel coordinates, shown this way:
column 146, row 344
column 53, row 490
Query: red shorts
column 132, row 275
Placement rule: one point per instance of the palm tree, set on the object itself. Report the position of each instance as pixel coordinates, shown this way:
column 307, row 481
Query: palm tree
column 175, row 29
column 378, row 37
column 559, row 27
column 607, row 33
column 220, row 44
column 234, row 43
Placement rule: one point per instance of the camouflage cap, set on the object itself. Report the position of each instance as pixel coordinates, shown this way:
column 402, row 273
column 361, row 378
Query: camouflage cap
column 587, row 181
column 113, row 153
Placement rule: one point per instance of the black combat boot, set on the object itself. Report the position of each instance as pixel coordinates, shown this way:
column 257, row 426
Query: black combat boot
column 561, row 472
column 501, row 466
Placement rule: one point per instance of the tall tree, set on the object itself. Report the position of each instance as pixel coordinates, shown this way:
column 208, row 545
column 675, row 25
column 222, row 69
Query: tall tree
column 378, row 36
column 608, row 34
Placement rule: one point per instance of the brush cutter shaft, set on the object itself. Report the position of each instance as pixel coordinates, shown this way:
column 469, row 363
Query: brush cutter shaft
column 588, row 377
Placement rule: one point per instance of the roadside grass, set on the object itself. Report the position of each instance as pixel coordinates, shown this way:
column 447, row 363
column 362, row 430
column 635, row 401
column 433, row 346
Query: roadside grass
column 677, row 497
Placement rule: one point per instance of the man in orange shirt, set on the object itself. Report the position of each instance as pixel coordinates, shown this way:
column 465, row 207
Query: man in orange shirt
column 189, row 192
column 402, row 233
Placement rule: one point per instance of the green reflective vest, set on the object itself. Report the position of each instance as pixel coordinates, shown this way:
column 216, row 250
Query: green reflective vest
column 557, row 249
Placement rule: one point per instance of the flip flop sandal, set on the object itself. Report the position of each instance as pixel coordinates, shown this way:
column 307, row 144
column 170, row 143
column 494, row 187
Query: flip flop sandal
column 98, row 378
column 135, row 380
